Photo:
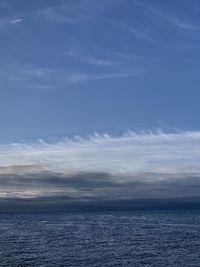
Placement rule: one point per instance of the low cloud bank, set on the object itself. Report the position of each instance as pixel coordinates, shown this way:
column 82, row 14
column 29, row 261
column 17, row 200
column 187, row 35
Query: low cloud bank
column 101, row 169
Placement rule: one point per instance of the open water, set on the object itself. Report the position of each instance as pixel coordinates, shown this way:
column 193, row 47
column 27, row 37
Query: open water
column 100, row 239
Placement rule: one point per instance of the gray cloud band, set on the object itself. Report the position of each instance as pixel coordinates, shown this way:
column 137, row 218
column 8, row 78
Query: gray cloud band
column 99, row 185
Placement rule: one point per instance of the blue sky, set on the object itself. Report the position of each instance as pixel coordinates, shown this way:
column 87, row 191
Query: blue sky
column 99, row 99
column 76, row 67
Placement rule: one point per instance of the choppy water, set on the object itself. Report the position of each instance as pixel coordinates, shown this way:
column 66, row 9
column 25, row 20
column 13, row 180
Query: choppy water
column 100, row 239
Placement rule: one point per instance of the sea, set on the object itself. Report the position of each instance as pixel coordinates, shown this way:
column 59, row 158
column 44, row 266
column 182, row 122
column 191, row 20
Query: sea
column 128, row 238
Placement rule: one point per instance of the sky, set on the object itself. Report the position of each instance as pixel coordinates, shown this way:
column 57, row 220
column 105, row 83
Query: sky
column 99, row 99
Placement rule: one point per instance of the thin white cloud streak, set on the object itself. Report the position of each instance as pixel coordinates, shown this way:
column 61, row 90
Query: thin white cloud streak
column 78, row 77
column 75, row 11
column 112, row 65
column 131, row 153
column 37, row 77
column 16, row 20
column 172, row 19
column 137, row 32
column 90, row 60
column 5, row 22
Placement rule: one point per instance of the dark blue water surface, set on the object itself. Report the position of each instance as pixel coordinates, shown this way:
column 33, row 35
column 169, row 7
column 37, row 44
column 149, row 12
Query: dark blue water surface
column 100, row 239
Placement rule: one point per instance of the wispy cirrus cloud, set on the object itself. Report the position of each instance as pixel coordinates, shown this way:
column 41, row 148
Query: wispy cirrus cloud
column 111, row 61
column 9, row 21
column 78, row 77
column 42, row 77
column 16, row 20
column 140, row 33
column 91, row 60
column 75, row 11
column 177, row 22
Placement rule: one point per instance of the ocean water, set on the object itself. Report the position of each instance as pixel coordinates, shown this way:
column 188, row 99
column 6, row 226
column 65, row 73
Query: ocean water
column 100, row 239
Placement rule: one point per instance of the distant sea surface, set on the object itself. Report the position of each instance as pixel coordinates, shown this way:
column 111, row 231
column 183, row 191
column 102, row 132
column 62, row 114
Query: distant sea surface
column 100, row 239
